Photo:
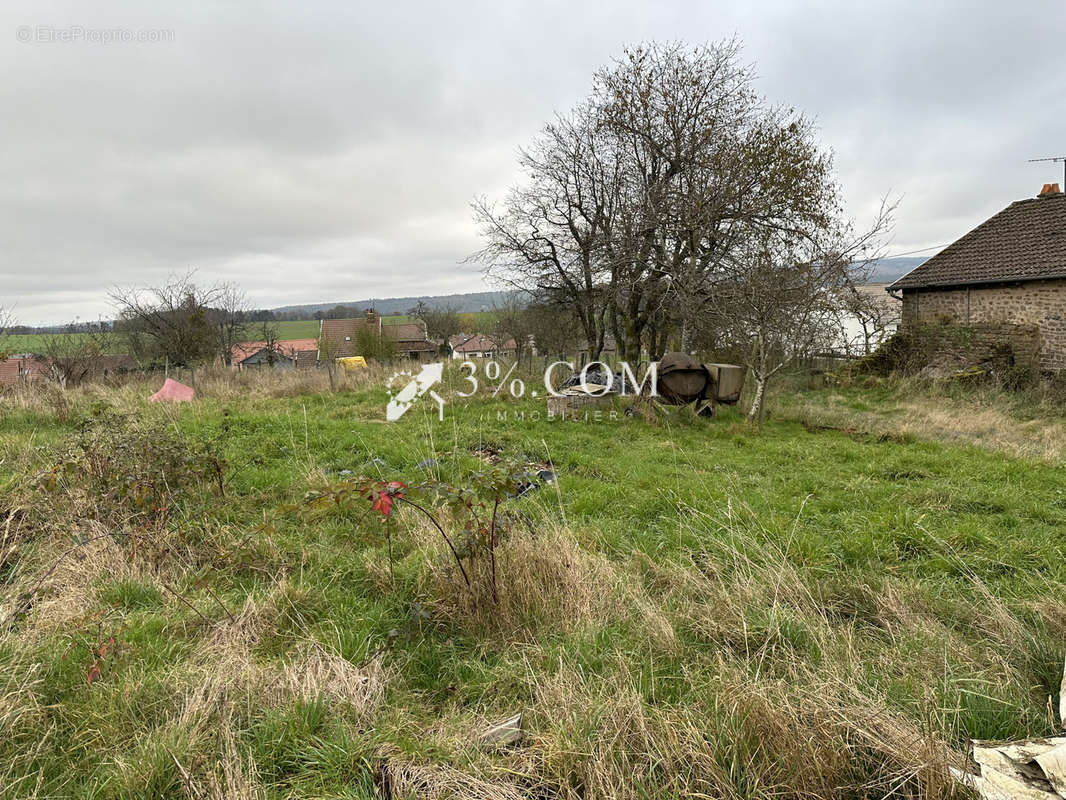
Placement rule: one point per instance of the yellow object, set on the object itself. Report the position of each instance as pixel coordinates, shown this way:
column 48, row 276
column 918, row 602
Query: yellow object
column 352, row 362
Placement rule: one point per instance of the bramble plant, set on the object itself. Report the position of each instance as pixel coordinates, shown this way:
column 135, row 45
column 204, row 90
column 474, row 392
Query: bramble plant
column 475, row 505
column 129, row 466
column 101, row 652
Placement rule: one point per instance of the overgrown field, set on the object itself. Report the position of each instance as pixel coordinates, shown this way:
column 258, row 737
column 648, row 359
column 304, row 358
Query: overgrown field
column 193, row 604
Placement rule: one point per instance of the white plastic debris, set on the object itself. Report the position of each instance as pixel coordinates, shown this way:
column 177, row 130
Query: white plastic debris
column 1062, row 697
column 1030, row 769
column 503, row 734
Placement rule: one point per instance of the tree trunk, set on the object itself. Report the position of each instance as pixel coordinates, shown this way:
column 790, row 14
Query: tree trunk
column 686, row 336
column 758, row 372
column 616, row 332
column 758, row 402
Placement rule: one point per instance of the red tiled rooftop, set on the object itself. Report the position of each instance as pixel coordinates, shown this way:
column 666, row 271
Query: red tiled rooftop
column 290, row 347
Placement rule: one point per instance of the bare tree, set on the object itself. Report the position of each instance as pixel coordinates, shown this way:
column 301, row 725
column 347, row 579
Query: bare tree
column 875, row 316
column 549, row 236
column 327, row 356
column 781, row 296
column 271, row 339
column 180, row 323
column 441, row 323
column 76, row 352
column 633, row 202
column 230, row 316
column 513, row 320
column 7, row 322
column 553, row 328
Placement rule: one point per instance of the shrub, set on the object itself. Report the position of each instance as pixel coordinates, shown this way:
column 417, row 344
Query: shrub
column 132, row 467
column 958, row 352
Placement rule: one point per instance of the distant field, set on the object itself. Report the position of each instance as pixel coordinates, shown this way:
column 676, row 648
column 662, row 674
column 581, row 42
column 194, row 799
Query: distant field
column 38, row 342
column 297, row 329
column 292, row 329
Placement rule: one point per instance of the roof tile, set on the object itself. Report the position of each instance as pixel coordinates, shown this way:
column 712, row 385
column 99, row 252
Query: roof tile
column 1025, row 241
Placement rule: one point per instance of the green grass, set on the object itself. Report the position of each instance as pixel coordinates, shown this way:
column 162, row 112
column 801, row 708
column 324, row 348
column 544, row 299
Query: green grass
column 299, row 329
column 761, row 600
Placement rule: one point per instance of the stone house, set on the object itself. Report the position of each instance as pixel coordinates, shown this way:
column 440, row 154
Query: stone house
column 1007, row 277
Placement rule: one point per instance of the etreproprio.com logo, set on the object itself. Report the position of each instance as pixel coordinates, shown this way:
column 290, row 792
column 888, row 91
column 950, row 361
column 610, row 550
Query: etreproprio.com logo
column 406, row 387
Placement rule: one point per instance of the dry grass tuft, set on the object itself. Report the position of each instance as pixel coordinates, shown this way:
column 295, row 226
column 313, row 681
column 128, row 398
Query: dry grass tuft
column 787, row 703
column 129, row 394
column 545, row 581
column 198, row 747
column 25, row 731
column 227, row 384
column 223, row 682
column 68, row 579
column 231, row 641
column 985, row 421
column 44, row 397
column 227, row 663
column 404, row 779
column 738, row 736
column 317, row 673
column 234, row 776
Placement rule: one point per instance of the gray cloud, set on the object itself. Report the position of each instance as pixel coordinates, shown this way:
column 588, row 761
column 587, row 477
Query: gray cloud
column 329, row 153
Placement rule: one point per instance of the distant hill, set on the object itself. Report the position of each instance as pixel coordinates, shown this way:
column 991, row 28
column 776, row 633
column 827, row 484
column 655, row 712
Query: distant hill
column 472, row 301
column 888, row 270
column 885, row 271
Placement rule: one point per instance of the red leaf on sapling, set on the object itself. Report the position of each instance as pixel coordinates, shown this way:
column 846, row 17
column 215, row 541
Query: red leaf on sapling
column 383, row 497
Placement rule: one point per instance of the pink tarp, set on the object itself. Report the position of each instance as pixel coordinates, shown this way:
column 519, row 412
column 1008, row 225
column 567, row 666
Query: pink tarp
column 173, row 392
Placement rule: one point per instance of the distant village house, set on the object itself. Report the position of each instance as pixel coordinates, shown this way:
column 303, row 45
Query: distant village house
column 477, row 345
column 285, row 354
column 23, row 367
column 342, row 335
column 67, row 372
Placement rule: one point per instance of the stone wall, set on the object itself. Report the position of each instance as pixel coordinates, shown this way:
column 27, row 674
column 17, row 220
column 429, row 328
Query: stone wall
column 1033, row 303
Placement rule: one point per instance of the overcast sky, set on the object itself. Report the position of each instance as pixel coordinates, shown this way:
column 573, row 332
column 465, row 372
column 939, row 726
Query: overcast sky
column 330, row 152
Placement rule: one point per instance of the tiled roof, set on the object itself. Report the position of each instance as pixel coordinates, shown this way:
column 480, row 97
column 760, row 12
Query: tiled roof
column 458, row 339
column 1023, row 242
column 341, row 333
column 409, row 336
column 111, row 363
column 406, row 332
column 306, row 358
column 22, row 366
column 415, row 346
column 290, row 347
column 479, row 343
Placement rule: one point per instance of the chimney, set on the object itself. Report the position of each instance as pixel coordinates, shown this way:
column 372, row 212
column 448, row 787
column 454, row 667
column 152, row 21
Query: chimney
column 1049, row 188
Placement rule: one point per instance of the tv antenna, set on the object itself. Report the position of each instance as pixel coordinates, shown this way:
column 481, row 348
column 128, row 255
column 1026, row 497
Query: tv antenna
column 1055, row 158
